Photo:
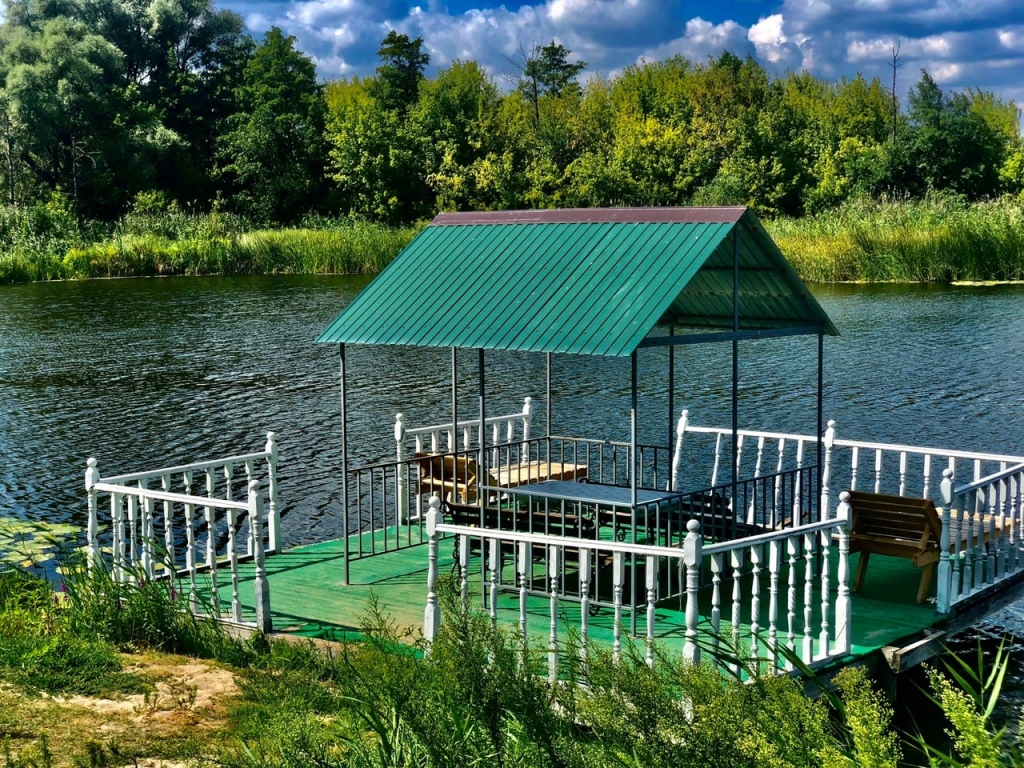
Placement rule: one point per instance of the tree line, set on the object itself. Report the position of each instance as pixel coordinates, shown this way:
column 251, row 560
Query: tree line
column 151, row 104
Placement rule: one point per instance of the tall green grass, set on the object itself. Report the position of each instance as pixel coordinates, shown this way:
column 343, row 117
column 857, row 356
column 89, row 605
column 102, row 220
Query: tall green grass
column 48, row 243
column 936, row 240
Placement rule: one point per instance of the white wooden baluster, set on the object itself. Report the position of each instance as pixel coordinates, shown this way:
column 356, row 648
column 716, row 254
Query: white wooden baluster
column 977, row 535
column 464, row 570
column 903, row 473
column 618, row 573
column 677, row 454
column 718, row 456
column 92, row 476
column 522, row 567
column 190, row 542
column 791, row 550
column 117, row 517
column 843, row 608
column 999, row 521
column 401, row 471
column 494, row 563
column 432, row 611
column 716, row 601
column 854, row 456
column 755, row 605
column 211, row 543
column 236, row 603
column 807, row 652
column 774, row 558
column 825, row 538
column 150, row 540
column 927, row 475
column 467, row 440
column 994, row 542
column 1013, row 485
column 584, row 603
column 692, row 556
column 797, row 500
column 553, row 561
column 250, row 475
column 878, row 470
column 828, row 440
column 757, row 474
column 145, row 531
column 736, row 561
column 524, row 456
column 777, row 514
column 133, row 548
column 495, row 440
column 652, row 591
column 739, row 454
column 170, row 562
column 261, row 587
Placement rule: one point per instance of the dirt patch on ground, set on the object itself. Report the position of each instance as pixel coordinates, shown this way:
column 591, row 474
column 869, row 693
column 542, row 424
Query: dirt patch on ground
column 164, row 728
column 190, row 691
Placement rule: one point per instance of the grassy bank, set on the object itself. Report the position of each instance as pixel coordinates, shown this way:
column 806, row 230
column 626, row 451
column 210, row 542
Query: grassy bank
column 934, row 240
column 939, row 240
column 47, row 243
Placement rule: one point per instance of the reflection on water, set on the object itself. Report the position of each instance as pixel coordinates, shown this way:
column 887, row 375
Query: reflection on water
column 146, row 373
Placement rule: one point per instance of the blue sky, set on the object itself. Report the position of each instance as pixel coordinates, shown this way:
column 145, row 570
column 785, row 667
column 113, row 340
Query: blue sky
column 962, row 43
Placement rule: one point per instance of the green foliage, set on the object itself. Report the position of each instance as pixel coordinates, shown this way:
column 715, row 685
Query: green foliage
column 400, row 72
column 273, row 155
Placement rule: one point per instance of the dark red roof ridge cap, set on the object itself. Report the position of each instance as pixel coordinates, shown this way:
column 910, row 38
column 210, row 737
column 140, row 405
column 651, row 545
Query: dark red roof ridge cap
column 677, row 215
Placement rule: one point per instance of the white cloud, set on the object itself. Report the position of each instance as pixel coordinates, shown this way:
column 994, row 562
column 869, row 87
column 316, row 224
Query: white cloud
column 962, row 43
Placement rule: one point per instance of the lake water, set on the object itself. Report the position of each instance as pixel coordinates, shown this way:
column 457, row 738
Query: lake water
column 150, row 373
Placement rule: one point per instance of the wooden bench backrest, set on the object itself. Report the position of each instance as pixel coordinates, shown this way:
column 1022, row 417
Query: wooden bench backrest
column 898, row 518
column 447, row 468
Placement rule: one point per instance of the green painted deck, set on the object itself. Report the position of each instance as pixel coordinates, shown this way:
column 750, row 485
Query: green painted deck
column 309, row 597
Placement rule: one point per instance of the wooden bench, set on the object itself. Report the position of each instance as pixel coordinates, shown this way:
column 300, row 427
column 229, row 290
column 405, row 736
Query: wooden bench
column 456, row 478
column 900, row 526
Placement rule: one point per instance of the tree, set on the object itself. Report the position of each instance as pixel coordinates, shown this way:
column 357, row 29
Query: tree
column 547, row 71
column 273, row 158
column 401, row 70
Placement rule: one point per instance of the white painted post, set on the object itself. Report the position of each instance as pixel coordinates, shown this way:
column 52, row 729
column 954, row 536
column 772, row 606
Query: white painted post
column 464, row 570
column 854, row 455
column 844, row 614
column 92, row 476
column 553, row 561
column 823, row 636
column 692, row 555
column 652, row 590
column 524, row 457
column 521, row 569
column 117, row 522
column 903, row 473
column 261, row 587
column 828, row 441
column 716, row 599
column 584, row 602
column 132, row 553
column 808, row 647
column 618, row 574
column 774, row 563
column 736, row 562
column 211, row 544
column 170, row 562
column 791, row 550
column 190, row 542
column 945, row 572
column 401, row 478
column 145, row 524
column 250, row 475
column 494, row 563
column 432, row 613
column 236, row 603
column 677, row 454
column 755, row 605
column 274, row 515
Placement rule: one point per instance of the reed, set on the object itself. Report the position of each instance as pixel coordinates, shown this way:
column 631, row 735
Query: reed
column 33, row 249
column 936, row 240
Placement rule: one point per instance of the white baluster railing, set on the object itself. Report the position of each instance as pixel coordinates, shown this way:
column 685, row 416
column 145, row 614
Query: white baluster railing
column 789, row 555
column 981, row 543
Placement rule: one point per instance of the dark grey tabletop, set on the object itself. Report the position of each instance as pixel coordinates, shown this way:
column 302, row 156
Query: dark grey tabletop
column 590, row 493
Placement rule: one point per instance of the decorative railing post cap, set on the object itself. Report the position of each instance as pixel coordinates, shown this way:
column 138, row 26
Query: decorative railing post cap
column 254, row 486
column 947, row 473
column 830, row 433
column 399, row 427
column 528, row 406
column 433, row 515
column 844, row 497
column 684, row 420
column 92, row 475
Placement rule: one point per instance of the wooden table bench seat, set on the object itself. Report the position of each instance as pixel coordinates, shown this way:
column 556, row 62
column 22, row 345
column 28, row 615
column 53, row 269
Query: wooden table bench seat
column 900, row 526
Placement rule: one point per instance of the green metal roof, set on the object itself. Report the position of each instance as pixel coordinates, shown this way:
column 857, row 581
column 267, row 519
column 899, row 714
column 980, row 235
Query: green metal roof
column 594, row 281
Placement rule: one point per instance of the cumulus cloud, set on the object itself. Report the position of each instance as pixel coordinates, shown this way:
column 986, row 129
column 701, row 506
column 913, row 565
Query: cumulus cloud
column 962, row 43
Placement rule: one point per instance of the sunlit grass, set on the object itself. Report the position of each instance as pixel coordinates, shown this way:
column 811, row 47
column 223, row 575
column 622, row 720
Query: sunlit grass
column 927, row 241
